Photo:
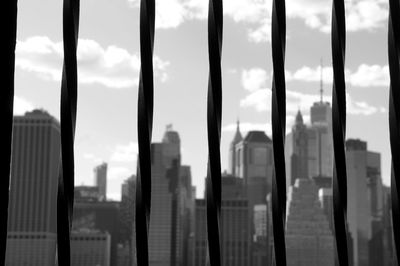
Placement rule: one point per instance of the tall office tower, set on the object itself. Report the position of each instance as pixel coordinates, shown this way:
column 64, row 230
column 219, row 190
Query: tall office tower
column 187, row 199
column 232, row 149
column 171, row 194
column 321, row 112
column 99, row 216
column 296, row 151
column 254, row 165
column 388, row 236
column 320, row 151
column 100, row 174
column 235, row 232
column 309, row 239
column 254, row 157
column 90, row 248
column 127, row 218
column 365, row 201
column 31, row 238
column 309, row 148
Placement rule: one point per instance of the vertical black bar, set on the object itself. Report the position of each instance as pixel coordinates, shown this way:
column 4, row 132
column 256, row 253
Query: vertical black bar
column 8, row 16
column 278, row 118
column 145, row 125
column 69, row 86
column 394, row 114
column 214, row 115
column 339, row 181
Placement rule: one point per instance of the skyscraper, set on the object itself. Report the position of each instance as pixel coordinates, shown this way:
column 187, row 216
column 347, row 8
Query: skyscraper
column 100, row 174
column 296, row 149
column 232, row 149
column 365, row 201
column 309, row 148
column 170, row 202
column 254, row 166
column 31, row 238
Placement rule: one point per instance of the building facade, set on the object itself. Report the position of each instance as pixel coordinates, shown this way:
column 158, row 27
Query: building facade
column 172, row 204
column 235, row 231
column 365, row 202
column 309, row 239
column 90, row 248
column 31, row 238
column 309, row 148
column 101, row 216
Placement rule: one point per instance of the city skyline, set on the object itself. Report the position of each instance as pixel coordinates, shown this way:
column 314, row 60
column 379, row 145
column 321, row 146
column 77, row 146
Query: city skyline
column 177, row 230
column 108, row 67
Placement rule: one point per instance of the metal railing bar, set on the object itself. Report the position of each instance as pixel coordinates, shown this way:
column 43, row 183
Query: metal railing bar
column 339, row 181
column 9, row 30
column 69, row 87
column 145, row 125
column 278, row 118
column 394, row 114
column 214, row 115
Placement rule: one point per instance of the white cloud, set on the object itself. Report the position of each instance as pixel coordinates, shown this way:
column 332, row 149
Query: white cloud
column 112, row 66
column 364, row 76
column 172, row 13
column 260, row 100
column 254, row 78
column 316, row 14
column 125, row 153
column 373, row 75
column 21, row 106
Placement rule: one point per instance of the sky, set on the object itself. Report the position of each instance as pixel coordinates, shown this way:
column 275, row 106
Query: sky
column 109, row 64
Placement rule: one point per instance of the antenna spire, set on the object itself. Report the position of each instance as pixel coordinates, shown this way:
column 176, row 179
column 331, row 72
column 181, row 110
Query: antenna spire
column 321, row 89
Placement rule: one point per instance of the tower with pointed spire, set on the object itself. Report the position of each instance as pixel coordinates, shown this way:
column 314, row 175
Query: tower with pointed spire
column 232, row 151
column 321, row 111
column 297, row 151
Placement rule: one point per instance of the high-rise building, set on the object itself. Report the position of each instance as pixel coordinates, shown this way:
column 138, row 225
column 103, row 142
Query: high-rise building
column 365, row 202
column 320, row 150
column 309, row 239
column 232, row 149
column 321, row 112
column 127, row 218
column 296, row 150
column 235, row 231
column 100, row 174
column 172, row 196
column 254, row 167
column 90, row 248
column 309, row 148
column 31, row 238
column 254, row 157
